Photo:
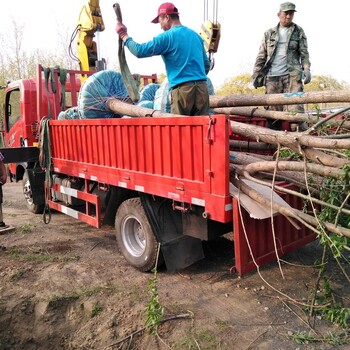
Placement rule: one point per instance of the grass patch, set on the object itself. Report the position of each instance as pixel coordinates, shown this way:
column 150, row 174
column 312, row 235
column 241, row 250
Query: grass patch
column 22, row 255
column 204, row 340
column 70, row 257
column 90, row 292
column 332, row 338
column 17, row 275
column 96, row 310
column 25, row 228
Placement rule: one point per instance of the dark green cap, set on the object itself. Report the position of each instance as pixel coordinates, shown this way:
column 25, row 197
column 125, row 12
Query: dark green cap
column 287, row 6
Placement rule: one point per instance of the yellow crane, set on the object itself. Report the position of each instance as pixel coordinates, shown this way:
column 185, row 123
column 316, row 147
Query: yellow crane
column 90, row 24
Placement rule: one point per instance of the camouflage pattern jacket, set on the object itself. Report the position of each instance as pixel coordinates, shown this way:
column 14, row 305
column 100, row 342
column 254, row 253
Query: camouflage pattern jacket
column 297, row 54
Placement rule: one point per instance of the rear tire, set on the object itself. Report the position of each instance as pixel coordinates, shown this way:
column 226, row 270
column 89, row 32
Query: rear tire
column 135, row 237
column 28, row 196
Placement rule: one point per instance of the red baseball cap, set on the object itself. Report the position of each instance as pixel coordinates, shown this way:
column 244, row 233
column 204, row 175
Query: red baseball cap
column 166, row 9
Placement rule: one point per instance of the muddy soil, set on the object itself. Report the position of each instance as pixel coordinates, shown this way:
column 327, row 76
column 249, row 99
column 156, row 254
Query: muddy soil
column 64, row 285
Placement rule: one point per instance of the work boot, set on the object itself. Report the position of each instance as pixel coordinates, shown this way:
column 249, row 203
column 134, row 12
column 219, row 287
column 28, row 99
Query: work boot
column 3, row 225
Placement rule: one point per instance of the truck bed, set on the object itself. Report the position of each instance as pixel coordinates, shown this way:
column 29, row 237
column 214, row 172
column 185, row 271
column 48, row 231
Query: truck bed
column 183, row 159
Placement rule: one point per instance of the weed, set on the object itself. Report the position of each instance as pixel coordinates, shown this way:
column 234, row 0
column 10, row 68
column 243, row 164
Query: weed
column 205, row 339
column 90, row 292
column 17, row 275
column 332, row 312
column 186, row 342
column 288, row 154
column 111, row 288
column 39, row 257
column 336, row 338
column 221, row 323
column 334, row 191
column 208, row 340
column 96, row 310
column 22, row 255
column 25, row 228
column 70, row 257
column 15, row 252
column 302, row 337
column 336, row 314
column 154, row 309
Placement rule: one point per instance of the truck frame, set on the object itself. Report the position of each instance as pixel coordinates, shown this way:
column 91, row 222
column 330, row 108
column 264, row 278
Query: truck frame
column 163, row 182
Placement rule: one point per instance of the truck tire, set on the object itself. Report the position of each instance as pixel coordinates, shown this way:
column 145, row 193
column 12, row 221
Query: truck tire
column 28, row 196
column 135, row 237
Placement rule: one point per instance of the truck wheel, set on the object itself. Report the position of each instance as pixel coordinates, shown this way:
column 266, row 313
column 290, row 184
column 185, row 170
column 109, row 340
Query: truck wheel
column 28, row 195
column 135, row 237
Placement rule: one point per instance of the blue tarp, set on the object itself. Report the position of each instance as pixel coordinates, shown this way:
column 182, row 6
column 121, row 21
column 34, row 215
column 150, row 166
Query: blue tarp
column 95, row 92
column 147, row 95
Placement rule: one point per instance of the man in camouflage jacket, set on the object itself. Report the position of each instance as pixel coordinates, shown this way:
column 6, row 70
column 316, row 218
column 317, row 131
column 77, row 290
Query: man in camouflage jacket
column 282, row 64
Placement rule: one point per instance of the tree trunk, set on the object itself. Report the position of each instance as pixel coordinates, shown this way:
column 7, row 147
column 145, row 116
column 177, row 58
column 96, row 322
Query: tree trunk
column 279, row 99
column 263, row 113
column 288, row 139
column 131, row 110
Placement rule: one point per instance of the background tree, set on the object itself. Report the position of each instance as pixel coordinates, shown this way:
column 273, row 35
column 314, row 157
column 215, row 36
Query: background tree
column 240, row 84
column 325, row 83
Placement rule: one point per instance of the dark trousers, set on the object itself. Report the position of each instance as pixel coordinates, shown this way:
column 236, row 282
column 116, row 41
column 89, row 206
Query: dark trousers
column 284, row 84
column 191, row 98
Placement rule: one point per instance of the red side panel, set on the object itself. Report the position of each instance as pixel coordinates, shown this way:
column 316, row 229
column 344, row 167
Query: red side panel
column 184, row 159
column 260, row 237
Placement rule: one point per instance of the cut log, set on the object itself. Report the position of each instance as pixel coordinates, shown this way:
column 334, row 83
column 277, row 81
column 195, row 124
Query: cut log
column 279, row 99
column 288, row 139
column 131, row 110
column 263, row 113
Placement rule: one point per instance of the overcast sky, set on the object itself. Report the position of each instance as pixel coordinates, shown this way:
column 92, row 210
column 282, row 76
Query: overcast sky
column 242, row 22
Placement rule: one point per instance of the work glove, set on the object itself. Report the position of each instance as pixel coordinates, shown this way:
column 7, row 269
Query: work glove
column 121, row 30
column 307, row 76
column 255, row 83
column 258, row 80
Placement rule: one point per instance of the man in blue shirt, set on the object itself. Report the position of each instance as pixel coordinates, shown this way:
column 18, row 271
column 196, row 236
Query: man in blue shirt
column 185, row 59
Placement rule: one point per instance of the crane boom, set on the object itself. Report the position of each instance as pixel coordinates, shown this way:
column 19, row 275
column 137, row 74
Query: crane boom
column 90, row 23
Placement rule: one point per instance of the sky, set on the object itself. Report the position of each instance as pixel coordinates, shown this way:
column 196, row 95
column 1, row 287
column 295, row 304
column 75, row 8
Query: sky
column 242, row 26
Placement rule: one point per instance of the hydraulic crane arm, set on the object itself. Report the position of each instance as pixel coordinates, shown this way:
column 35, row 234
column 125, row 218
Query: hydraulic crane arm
column 211, row 31
column 90, row 23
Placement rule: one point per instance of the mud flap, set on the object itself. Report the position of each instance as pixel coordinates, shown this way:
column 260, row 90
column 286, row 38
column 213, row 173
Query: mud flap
column 37, row 181
column 179, row 251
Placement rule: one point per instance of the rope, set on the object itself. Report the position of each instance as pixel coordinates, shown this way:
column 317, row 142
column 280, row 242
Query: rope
column 128, row 80
column 63, row 78
column 45, row 163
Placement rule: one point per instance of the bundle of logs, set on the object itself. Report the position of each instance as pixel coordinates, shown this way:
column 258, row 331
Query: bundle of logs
column 317, row 161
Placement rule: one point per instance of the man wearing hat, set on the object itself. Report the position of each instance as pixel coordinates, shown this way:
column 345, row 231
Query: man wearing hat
column 282, row 64
column 185, row 59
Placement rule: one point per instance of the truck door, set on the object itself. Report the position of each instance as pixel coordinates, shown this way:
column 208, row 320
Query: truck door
column 13, row 124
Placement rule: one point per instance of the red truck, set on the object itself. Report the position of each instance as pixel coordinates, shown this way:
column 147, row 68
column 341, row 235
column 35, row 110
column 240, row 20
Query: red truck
column 157, row 180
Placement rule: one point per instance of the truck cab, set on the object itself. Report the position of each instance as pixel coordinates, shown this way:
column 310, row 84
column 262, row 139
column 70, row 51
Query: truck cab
column 20, row 122
column 27, row 101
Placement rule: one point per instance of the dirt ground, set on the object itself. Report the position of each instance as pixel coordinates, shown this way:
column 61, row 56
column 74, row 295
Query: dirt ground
column 64, row 285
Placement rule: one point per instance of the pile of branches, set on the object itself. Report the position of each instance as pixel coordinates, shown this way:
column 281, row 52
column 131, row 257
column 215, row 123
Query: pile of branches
column 316, row 160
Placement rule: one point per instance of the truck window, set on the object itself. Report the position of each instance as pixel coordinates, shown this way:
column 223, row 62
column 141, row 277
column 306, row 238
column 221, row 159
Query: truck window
column 13, row 109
